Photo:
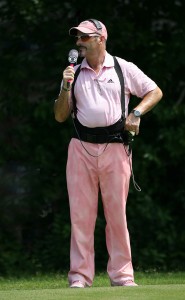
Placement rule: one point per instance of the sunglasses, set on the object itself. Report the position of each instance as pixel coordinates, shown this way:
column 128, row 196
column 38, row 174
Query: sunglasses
column 85, row 37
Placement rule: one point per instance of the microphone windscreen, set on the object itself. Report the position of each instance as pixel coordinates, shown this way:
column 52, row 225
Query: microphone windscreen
column 73, row 56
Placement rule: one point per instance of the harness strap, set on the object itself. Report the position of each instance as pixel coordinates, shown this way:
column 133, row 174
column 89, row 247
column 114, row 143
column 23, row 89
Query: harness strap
column 121, row 79
column 72, row 90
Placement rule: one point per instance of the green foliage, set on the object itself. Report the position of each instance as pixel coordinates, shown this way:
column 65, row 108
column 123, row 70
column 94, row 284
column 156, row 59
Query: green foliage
column 34, row 210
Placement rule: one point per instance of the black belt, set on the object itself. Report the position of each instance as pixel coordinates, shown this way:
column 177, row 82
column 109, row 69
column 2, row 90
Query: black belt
column 99, row 135
column 99, row 139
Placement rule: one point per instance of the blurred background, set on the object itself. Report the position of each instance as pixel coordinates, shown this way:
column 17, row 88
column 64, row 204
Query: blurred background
column 34, row 210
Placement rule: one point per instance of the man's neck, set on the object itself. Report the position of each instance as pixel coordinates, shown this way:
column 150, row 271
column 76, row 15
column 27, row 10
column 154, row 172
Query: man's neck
column 96, row 61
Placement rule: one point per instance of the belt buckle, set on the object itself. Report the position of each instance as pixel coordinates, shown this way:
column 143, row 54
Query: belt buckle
column 117, row 138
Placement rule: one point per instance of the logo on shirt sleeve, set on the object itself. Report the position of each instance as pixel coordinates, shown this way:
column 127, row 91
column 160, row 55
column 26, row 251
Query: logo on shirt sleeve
column 110, row 81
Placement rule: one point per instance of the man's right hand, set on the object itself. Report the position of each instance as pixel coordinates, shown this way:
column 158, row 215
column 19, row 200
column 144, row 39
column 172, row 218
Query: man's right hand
column 68, row 76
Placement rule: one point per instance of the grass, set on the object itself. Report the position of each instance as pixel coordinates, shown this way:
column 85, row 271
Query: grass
column 152, row 285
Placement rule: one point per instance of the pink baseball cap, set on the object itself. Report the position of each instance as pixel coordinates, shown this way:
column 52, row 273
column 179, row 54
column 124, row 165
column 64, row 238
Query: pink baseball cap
column 90, row 27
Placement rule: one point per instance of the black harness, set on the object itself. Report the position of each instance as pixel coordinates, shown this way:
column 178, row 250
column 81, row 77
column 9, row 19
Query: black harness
column 110, row 134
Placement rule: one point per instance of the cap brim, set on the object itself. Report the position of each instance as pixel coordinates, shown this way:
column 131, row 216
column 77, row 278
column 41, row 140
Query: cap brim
column 73, row 30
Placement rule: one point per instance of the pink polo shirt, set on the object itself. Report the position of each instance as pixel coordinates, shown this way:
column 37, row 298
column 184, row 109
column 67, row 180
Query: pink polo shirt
column 98, row 95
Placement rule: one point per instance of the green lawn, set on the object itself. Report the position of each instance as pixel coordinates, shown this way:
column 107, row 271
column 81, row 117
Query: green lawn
column 158, row 286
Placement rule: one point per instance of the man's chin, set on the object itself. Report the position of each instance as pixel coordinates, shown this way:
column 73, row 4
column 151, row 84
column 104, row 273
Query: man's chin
column 82, row 52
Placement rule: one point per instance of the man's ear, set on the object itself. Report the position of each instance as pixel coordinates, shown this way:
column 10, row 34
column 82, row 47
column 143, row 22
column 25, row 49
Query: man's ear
column 101, row 39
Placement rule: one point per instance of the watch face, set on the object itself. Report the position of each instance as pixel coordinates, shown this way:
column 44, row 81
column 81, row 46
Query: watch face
column 137, row 113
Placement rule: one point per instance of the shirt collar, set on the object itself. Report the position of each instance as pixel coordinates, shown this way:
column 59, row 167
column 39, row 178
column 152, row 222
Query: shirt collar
column 108, row 62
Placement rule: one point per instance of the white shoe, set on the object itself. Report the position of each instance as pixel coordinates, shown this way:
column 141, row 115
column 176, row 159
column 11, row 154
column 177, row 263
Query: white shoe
column 77, row 284
column 124, row 283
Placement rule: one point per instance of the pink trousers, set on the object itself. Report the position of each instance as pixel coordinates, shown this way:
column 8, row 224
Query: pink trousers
column 85, row 175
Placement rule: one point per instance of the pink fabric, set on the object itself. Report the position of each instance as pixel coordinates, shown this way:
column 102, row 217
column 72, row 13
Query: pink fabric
column 98, row 95
column 110, row 171
column 89, row 27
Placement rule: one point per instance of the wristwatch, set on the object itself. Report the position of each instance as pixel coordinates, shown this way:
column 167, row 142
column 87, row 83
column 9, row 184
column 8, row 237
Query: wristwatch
column 136, row 113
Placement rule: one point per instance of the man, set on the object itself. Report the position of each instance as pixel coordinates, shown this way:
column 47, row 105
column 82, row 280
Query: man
column 97, row 156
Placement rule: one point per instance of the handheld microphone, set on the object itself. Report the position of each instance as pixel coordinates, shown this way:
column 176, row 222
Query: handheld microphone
column 72, row 58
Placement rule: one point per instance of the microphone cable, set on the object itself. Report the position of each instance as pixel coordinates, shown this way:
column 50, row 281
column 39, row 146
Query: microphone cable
column 128, row 152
